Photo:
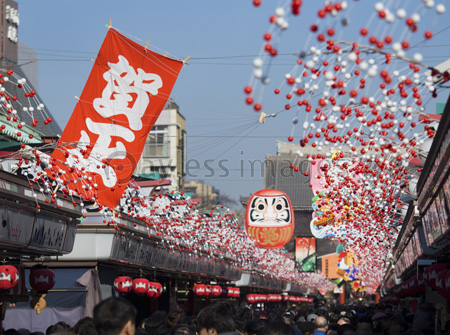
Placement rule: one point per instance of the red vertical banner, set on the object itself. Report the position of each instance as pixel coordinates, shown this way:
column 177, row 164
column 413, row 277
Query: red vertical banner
column 105, row 136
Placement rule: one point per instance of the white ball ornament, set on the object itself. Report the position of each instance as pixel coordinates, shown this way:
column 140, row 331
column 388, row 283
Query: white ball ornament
column 280, row 12
column 372, row 72
column 401, row 13
column 352, row 57
column 258, row 62
column 415, row 17
column 257, row 73
column 440, row 9
column 379, row 6
column 418, row 57
column 329, row 75
column 390, row 18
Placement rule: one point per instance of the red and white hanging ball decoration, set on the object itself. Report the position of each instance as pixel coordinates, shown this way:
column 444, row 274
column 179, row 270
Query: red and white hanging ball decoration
column 361, row 104
column 12, row 105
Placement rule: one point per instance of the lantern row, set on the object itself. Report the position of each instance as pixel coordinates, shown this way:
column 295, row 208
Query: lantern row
column 125, row 284
column 255, row 298
column 41, row 278
column 436, row 276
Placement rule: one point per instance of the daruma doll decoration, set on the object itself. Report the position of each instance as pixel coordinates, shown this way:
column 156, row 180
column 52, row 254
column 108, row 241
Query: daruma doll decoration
column 269, row 219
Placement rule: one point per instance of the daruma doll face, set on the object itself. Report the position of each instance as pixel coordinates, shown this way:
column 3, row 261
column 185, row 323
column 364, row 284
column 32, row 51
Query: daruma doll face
column 269, row 219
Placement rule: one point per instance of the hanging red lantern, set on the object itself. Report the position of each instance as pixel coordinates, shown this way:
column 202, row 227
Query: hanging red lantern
column 9, row 277
column 237, row 292
column 251, row 298
column 230, row 291
column 154, row 290
column 447, row 282
column 208, row 290
column 216, row 291
column 269, row 219
column 123, row 284
column 200, row 289
column 41, row 278
column 140, row 285
column 430, row 274
column 441, row 284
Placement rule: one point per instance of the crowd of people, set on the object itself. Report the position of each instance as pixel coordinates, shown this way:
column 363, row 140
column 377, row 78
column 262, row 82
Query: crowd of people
column 117, row 316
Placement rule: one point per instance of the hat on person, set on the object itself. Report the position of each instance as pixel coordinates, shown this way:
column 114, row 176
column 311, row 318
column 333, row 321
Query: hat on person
column 311, row 317
column 306, row 326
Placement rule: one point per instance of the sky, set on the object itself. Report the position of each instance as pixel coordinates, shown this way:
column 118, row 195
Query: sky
column 222, row 38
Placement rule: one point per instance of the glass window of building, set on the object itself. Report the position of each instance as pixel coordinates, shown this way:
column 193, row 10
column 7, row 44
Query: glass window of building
column 157, row 142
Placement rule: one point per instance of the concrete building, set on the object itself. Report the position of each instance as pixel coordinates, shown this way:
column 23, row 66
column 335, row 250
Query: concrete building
column 207, row 193
column 164, row 155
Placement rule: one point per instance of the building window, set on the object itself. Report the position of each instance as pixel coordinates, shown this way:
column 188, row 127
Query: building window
column 157, row 142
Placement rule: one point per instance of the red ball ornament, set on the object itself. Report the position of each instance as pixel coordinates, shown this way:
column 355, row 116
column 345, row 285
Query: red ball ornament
column 248, row 89
column 269, row 219
column 41, row 278
column 256, row 3
column 257, row 107
column 9, row 277
column 428, row 34
column 140, row 285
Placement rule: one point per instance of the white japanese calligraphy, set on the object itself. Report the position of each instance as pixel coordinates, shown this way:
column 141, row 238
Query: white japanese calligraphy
column 126, row 92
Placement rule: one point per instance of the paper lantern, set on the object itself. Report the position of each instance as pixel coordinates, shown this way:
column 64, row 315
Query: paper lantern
column 230, row 291
column 441, row 284
column 154, row 290
column 140, row 285
column 271, row 297
column 447, row 282
column 251, row 298
column 9, row 277
column 123, row 284
column 237, row 292
column 216, row 291
column 269, row 219
column 41, row 278
column 200, row 289
column 208, row 290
